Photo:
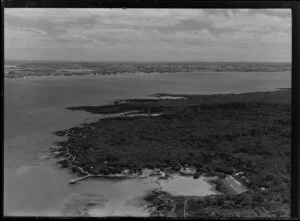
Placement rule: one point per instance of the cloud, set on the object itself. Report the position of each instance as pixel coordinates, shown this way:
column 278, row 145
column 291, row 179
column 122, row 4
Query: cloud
column 56, row 16
column 245, row 21
column 145, row 17
column 141, row 31
column 256, row 40
column 16, row 37
column 280, row 11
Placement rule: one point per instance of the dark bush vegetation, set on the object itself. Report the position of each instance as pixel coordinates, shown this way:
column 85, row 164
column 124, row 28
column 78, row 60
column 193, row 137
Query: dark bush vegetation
column 247, row 132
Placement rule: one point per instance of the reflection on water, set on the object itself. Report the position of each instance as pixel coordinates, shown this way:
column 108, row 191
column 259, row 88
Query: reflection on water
column 34, row 108
column 23, row 169
column 80, row 204
column 101, row 197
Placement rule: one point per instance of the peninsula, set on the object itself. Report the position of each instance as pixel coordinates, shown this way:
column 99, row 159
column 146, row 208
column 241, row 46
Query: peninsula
column 245, row 135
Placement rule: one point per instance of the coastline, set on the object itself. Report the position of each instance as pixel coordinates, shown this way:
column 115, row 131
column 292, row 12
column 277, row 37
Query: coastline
column 75, row 75
column 252, row 108
column 36, row 68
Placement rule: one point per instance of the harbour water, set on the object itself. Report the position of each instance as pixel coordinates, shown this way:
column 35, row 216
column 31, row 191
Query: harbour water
column 34, row 108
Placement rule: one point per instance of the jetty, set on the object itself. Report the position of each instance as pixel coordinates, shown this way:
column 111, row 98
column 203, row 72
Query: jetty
column 113, row 176
column 78, row 179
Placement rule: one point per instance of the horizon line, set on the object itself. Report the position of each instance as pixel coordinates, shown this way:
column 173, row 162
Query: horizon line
column 134, row 61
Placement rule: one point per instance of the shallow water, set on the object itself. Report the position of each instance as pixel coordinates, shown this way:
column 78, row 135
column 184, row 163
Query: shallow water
column 34, row 108
column 101, row 197
column 187, row 186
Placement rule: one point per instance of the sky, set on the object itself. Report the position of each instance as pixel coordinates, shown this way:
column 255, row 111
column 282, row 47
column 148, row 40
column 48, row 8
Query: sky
column 254, row 35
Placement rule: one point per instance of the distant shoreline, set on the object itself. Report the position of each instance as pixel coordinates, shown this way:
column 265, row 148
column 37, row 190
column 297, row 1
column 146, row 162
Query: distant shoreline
column 31, row 68
column 130, row 74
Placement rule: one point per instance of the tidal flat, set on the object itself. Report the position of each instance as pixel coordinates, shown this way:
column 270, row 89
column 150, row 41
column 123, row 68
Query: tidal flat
column 222, row 135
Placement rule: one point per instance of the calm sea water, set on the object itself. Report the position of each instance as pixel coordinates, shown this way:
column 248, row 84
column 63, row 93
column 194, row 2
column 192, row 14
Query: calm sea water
column 34, row 108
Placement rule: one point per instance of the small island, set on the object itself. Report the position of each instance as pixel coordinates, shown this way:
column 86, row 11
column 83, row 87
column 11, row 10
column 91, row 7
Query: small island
column 245, row 136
